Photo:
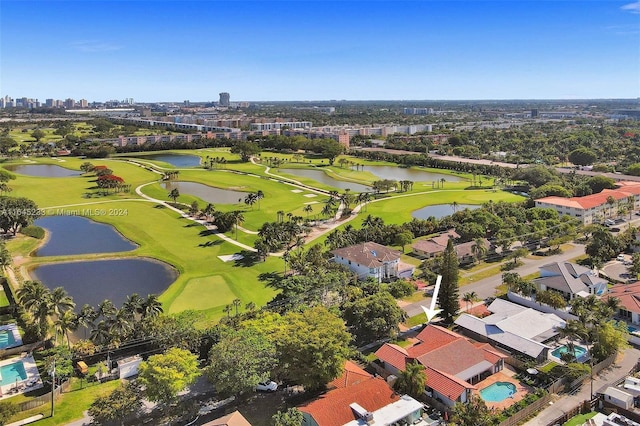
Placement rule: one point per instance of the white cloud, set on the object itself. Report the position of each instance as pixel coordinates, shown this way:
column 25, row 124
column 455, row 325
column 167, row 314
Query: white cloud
column 94, row 46
column 632, row 7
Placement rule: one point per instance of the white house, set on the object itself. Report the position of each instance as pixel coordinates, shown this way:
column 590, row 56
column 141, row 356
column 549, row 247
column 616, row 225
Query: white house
column 570, row 280
column 373, row 260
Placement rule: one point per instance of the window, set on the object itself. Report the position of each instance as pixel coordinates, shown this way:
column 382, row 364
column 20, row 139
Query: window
column 372, row 270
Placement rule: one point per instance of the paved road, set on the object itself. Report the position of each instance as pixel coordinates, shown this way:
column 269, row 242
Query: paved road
column 487, row 286
column 606, row 377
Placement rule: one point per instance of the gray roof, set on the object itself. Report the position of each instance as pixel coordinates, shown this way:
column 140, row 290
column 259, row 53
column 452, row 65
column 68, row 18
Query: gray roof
column 567, row 277
column 513, row 326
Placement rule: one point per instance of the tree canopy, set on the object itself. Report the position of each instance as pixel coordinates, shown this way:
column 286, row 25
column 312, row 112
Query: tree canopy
column 164, row 375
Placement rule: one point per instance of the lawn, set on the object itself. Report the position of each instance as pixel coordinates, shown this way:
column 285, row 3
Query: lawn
column 70, row 405
column 4, row 300
column 580, row 419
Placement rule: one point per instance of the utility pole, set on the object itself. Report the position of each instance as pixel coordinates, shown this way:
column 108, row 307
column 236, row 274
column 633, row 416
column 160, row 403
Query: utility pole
column 53, row 385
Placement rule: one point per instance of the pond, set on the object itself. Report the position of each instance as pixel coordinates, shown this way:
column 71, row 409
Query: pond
column 42, row 170
column 94, row 281
column 322, row 177
column 441, row 210
column 79, row 235
column 412, row 174
column 176, row 160
column 209, row 194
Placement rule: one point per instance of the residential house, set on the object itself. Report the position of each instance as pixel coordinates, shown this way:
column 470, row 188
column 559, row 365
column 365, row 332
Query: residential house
column 453, row 364
column 233, row 419
column 570, row 280
column 373, row 260
column 629, row 299
column 358, row 398
column 435, row 246
column 514, row 329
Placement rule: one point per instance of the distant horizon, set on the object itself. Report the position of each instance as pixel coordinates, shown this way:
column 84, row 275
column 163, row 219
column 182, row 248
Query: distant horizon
column 274, row 50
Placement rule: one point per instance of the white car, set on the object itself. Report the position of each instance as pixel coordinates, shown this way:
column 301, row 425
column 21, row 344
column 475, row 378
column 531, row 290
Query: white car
column 268, row 386
column 620, row 258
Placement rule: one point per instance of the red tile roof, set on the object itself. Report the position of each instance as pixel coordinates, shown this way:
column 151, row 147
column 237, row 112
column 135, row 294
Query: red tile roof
column 628, row 294
column 490, row 353
column 446, row 384
column 432, row 337
column 332, row 408
column 453, row 358
column 393, row 355
column 352, row 375
column 368, row 254
column 594, row 200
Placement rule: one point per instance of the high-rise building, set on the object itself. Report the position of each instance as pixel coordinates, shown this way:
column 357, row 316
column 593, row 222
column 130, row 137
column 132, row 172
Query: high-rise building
column 69, row 103
column 224, row 99
column 84, row 103
column 50, row 103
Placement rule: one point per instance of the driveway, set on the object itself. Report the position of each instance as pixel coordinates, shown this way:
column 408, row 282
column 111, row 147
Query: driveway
column 618, row 270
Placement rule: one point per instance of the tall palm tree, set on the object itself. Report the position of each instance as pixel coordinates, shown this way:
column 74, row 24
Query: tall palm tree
column 151, row 307
column 133, row 304
column 66, row 322
column 36, row 299
column 61, row 301
column 120, row 326
column 470, row 297
column 259, row 196
column 100, row 334
column 236, row 304
column 238, row 219
column 87, row 317
column 106, row 309
column 307, row 209
column 479, row 249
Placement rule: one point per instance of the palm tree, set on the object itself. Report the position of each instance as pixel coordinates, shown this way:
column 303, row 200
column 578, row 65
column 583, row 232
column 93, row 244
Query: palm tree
column 106, row 309
column 151, row 307
column 327, row 210
column 61, row 301
column 238, row 219
column 133, row 304
column 259, row 196
column 36, row 299
column 307, row 209
column 610, row 202
column 66, row 322
column 174, row 194
column 280, row 214
column 100, row 334
column 470, row 297
column 454, row 206
column 236, row 304
column 250, row 199
column 227, row 310
column 479, row 249
column 442, row 181
column 120, row 326
column 411, row 380
column 87, row 317
column 208, row 212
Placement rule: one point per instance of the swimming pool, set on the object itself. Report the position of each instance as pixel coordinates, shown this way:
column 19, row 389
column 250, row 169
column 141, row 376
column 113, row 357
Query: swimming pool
column 631, row 329
column 578, row 351
column 498, row 392
column 12, row 372
column 7, row 339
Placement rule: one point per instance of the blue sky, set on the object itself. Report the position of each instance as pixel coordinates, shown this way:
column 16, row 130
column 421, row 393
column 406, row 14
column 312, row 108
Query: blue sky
column 320, row 50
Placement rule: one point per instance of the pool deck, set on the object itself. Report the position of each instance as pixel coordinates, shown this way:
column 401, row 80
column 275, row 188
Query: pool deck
column 12, row 328
column 521, row 390
column 32, row 382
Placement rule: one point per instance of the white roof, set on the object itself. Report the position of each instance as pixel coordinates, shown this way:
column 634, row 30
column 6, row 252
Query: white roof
column 391, row 413
column 618, row 394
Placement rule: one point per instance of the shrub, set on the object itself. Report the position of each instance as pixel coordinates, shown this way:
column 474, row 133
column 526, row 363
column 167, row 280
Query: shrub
column 401, row 288
column 33, row 231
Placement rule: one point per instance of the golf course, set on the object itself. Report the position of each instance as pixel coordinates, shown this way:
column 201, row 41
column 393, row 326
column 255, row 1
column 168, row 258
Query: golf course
column 209, row 276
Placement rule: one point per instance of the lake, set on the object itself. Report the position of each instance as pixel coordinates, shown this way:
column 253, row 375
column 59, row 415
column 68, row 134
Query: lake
column 322, row 177
column 79, row 235
column 209, row 194
column 94, row 281
column 441, row 210
column 42, row 170
column 412, row 174
column 176, row 160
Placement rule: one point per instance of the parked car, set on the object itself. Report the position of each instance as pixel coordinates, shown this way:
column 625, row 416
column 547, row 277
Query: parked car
column 268, row 386
column 620, row 258
column 619, row 221
column 614, row 229
column 609, row 222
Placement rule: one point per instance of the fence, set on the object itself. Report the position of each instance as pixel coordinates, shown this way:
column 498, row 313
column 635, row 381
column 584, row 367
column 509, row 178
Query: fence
column 526, row 412
column 43, row 399
column 582, row 408
column 605, row 363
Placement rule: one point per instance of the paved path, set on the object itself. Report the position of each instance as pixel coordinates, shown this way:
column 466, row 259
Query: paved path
column 608, row 376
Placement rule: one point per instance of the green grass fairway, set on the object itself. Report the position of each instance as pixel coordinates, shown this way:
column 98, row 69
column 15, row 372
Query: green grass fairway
column 203, row 293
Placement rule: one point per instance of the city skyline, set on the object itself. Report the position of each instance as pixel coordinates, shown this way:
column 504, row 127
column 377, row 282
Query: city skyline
column 279, row 51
